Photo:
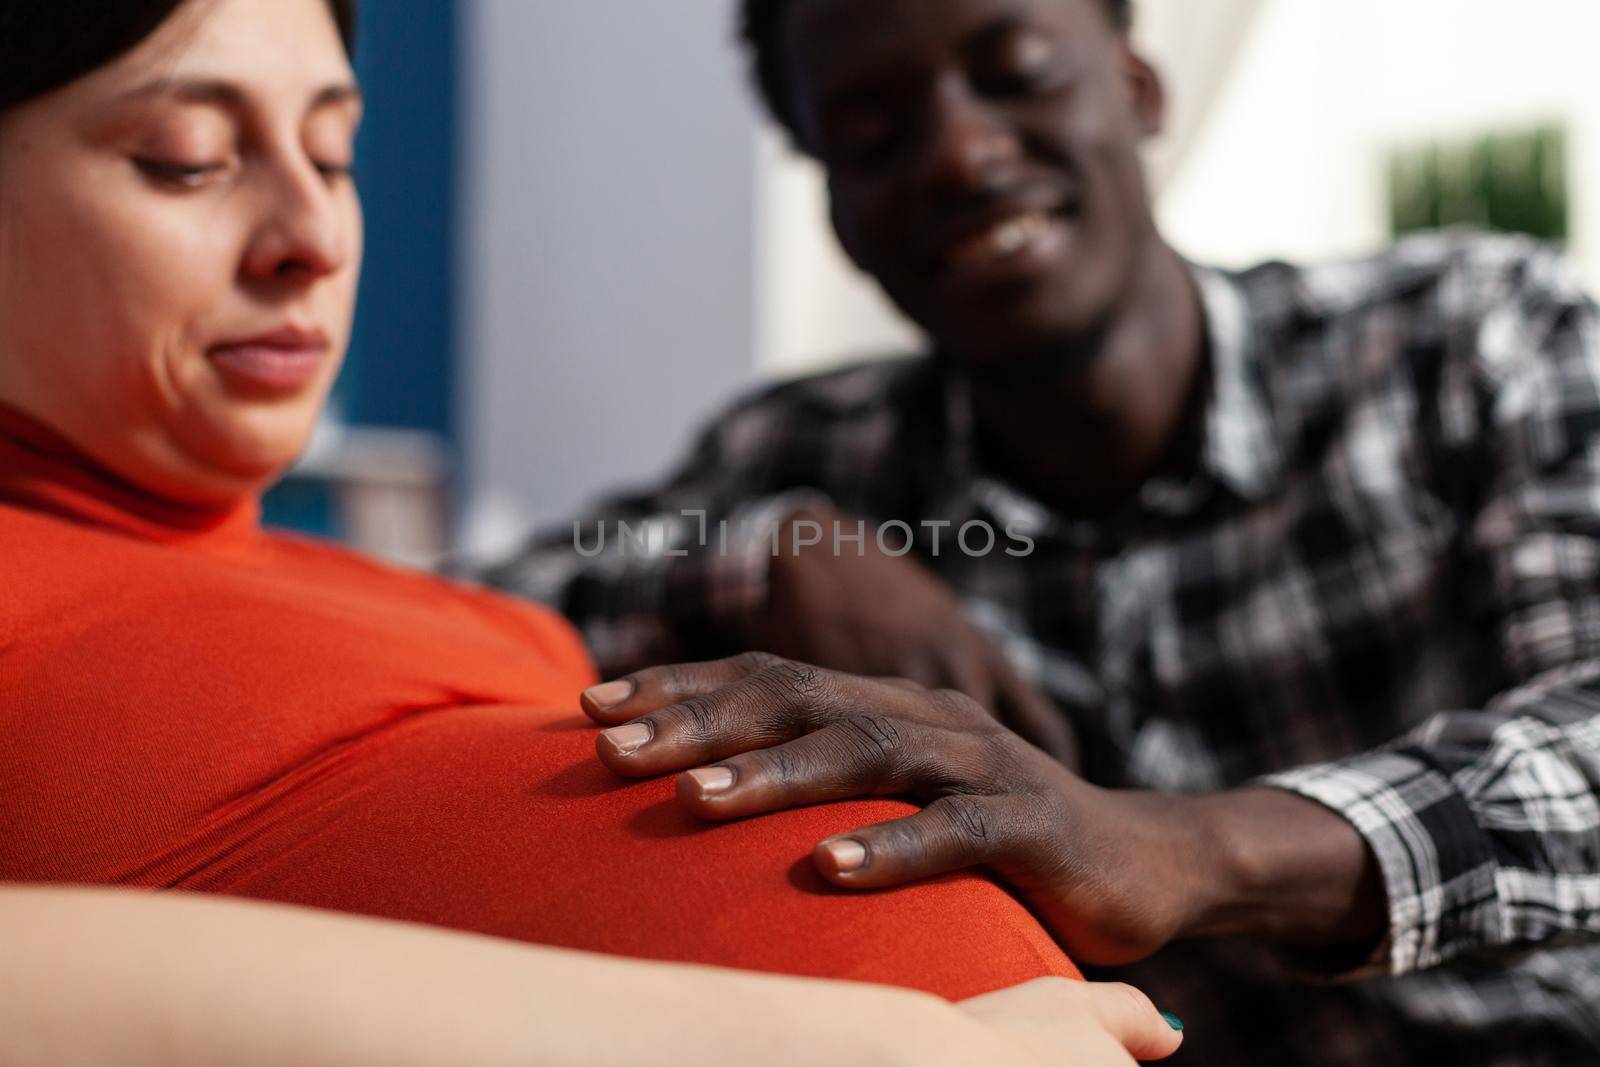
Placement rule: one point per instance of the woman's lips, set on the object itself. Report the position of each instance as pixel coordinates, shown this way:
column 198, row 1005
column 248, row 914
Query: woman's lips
column 274, row 364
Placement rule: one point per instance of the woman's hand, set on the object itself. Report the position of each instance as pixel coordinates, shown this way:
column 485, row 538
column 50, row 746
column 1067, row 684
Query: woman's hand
column 1085, row 1024
column 864, row 611
column 1116, row 875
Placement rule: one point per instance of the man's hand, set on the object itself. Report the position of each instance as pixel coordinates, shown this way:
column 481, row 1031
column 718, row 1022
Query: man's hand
column 1114, row 874
column 866, row 612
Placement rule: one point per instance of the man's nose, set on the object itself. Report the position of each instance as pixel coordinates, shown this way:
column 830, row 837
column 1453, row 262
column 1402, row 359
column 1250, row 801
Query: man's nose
column 967, row 142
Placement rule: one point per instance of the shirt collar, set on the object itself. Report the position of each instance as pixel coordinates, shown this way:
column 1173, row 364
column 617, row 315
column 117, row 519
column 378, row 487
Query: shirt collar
column 1240, row 444
column 42, row 471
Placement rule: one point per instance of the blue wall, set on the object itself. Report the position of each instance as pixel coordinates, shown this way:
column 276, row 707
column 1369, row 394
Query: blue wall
column 400, row 371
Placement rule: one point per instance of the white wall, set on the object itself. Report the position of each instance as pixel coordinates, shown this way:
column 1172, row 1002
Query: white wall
column 1291, row 162
column 607, row 297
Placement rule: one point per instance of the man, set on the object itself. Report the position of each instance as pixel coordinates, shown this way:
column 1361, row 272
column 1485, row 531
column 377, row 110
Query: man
column 1307, row 558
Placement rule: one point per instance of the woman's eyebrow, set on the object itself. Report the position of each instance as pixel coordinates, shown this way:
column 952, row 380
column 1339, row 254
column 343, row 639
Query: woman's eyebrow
column 227, row 94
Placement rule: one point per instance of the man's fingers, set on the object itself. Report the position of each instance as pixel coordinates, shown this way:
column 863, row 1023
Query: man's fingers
column 951, row 833
column 779, row 702
column 860, row 755
column 644, row 691
column 1127, row 1015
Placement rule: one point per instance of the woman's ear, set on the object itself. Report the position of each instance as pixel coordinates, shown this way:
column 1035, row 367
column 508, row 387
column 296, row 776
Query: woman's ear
column 1146, row 92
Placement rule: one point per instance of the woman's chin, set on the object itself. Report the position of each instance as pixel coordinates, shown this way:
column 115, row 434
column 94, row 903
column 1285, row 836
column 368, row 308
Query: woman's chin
column 247, row 451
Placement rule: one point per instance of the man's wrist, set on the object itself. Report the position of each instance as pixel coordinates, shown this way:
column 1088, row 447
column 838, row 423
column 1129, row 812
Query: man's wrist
column 1287, row 870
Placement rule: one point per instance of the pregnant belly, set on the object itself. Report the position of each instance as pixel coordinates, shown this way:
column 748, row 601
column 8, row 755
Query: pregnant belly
column 500, row 820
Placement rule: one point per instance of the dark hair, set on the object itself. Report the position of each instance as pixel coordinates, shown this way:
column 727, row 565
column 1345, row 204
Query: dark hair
column 761, row 27
column 44, row 44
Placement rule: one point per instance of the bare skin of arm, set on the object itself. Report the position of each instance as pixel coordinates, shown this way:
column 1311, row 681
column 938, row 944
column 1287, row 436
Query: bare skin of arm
column 106, row 976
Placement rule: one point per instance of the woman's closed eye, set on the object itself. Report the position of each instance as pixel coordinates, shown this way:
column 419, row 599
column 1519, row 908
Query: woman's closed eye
column 333, row 172
column 182, row 175
column 179, row 174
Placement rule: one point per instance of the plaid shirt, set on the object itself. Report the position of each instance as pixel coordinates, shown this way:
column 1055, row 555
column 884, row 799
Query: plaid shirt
column 1377, row 585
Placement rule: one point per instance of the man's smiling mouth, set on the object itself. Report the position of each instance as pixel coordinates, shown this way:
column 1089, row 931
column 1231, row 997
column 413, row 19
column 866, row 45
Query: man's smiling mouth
column 1009, row 246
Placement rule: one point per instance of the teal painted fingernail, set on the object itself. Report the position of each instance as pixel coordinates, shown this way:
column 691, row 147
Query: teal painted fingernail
column 1172, row 1020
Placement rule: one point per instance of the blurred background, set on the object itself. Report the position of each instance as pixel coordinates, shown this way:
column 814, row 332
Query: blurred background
column 584, row 238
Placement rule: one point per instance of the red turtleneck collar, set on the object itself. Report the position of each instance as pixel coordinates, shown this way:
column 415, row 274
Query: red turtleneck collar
column 44, row 472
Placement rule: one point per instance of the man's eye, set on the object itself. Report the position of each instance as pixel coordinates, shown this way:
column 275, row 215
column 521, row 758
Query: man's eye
column 1022, row 63
column 179, row 175
column 1017, row 83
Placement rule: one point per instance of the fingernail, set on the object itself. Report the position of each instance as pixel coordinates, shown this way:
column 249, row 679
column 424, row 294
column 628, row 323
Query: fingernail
column 610, row 694
column 629, row 738
column 712, row 780
column 1172, row 1020
column 847, row 855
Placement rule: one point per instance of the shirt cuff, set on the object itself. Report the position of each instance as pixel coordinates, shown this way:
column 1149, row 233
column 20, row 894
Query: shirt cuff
column 1437, row 863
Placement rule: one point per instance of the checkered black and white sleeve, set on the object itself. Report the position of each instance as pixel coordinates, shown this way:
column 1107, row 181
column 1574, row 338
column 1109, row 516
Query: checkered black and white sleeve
column 1486, row 822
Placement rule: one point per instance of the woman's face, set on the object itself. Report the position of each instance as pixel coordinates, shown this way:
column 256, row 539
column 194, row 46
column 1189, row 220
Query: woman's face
column 179, row 245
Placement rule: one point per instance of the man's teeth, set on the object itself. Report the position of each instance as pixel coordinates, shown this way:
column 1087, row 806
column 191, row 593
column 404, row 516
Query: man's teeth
column 1015, row 233
column 1001, row 239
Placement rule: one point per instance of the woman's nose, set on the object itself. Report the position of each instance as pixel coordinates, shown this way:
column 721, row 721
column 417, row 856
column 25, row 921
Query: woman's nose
column 303, row 232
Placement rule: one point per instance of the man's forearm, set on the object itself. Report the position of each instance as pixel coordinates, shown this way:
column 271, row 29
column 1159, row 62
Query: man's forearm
column 1287, row 870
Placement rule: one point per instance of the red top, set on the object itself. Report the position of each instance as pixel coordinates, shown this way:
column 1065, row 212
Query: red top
column 189, row 702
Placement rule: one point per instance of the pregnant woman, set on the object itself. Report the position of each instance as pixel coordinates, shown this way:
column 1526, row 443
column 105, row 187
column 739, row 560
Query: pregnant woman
column 188, row 702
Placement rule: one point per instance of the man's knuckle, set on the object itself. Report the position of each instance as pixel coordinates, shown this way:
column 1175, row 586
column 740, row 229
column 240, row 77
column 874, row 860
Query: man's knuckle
column 969, row 819
column 798, row 688
column 697, row 715
column 875, row 738
column 805, row 681
column 673, row 678
column 955, row 706
column 782, row 765
column 751, row 662
column 1002, row 760
column 770, row 690
column 907, row 838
